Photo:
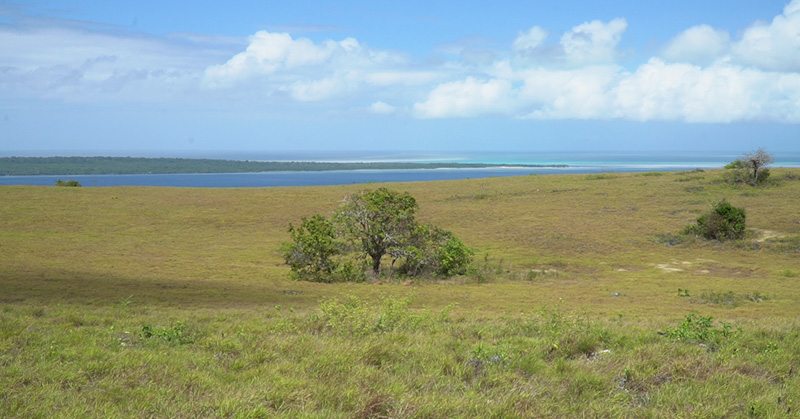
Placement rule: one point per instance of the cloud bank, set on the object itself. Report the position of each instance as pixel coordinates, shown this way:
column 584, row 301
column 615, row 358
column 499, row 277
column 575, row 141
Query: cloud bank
column 703, row 74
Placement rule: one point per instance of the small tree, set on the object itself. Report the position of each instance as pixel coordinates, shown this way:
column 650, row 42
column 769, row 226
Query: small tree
column 750, row 168
column 723, row 222
column 379, row 220
column 368, row 226
column 313, row 248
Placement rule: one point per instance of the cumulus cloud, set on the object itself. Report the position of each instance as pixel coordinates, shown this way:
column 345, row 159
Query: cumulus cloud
column 773, row 46
column 594, row 41
column 702, row 75
column 468, row 97
column 700, row 44
column 655, row 91
column 530, row 39
column 719, row 93
column 268, row 53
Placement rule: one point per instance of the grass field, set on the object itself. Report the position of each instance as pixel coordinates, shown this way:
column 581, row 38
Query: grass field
column 175, row 302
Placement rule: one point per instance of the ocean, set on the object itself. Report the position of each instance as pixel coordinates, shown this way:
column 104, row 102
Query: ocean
column 577, row 162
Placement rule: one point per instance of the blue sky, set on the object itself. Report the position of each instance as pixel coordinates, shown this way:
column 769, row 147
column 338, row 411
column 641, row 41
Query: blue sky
column 78, row 76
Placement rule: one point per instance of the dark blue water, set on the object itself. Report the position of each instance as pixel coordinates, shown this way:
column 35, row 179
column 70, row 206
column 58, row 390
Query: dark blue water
column 579, row 162
column 339, row 177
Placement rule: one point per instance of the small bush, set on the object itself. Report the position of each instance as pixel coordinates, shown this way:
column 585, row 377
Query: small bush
column 433, row 250
column 699, row 329
column 68, row 183
column 723, row 222
column 311, row 252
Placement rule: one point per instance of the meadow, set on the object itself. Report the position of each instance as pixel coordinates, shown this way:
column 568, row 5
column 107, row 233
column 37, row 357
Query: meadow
column 175, row 302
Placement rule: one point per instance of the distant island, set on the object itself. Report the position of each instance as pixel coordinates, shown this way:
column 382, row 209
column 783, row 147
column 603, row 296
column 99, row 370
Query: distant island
column 27, row 166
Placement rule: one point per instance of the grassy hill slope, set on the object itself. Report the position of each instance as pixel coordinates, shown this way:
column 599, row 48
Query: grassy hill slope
column 175, row 302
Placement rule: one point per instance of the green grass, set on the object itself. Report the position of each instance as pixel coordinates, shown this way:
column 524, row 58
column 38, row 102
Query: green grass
column 175, row 303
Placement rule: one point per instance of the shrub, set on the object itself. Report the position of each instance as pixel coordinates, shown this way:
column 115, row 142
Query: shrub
column 723, row 222
column 433, row 250
column 68, row 183
column 311, row 252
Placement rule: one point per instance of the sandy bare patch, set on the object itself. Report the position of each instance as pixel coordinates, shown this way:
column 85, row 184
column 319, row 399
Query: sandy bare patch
column 666, row 267
column 764, row 235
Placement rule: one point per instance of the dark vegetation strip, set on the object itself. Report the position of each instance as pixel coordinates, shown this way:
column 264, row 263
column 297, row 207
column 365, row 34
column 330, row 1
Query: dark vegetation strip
column 25, row 166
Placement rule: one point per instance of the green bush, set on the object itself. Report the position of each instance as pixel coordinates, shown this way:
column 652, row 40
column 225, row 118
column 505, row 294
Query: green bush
column 723, row 222
column 68, row 183
column 312, row 250
column 433, row 250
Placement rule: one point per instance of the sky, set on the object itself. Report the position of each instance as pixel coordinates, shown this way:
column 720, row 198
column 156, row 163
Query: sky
column 174, row 77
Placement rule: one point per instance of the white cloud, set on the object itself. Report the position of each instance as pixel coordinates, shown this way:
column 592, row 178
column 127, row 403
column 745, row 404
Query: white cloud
column 655, row 91
column 700, row 44
column 720, row 93
column 382, row 108
column 268, row 53
column 468, row 97
column 575, row 93
column 530, row 39
column 593, row 42
column 773, row 46
column 701, row 75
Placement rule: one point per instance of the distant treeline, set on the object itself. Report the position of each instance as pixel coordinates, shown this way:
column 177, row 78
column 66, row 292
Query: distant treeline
column 22, row 166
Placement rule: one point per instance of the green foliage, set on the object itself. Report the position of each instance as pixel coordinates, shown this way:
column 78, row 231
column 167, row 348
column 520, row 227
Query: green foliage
column 177, row 334
column 68, row 183
column 699, row 329
column 353, row 316
column 736, row 164
column 723, row 222
column 312, row 249
column 433, row 250
column 365, row 228
column 378, row 220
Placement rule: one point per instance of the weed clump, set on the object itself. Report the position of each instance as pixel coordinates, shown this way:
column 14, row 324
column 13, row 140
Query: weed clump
column 354, row 317
column 177, row 334
column 700, row 329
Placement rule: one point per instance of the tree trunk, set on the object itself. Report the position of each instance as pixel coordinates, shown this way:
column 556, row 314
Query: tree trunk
column 376, row 264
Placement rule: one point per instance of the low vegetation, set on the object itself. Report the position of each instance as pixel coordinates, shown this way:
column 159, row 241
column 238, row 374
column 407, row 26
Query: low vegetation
column 177, row 302
column 68, row 183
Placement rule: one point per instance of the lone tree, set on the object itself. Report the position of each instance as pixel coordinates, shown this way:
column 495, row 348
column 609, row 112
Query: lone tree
column 379, row 220
column 750, row 168
column 756, row 162
column 366, row 227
